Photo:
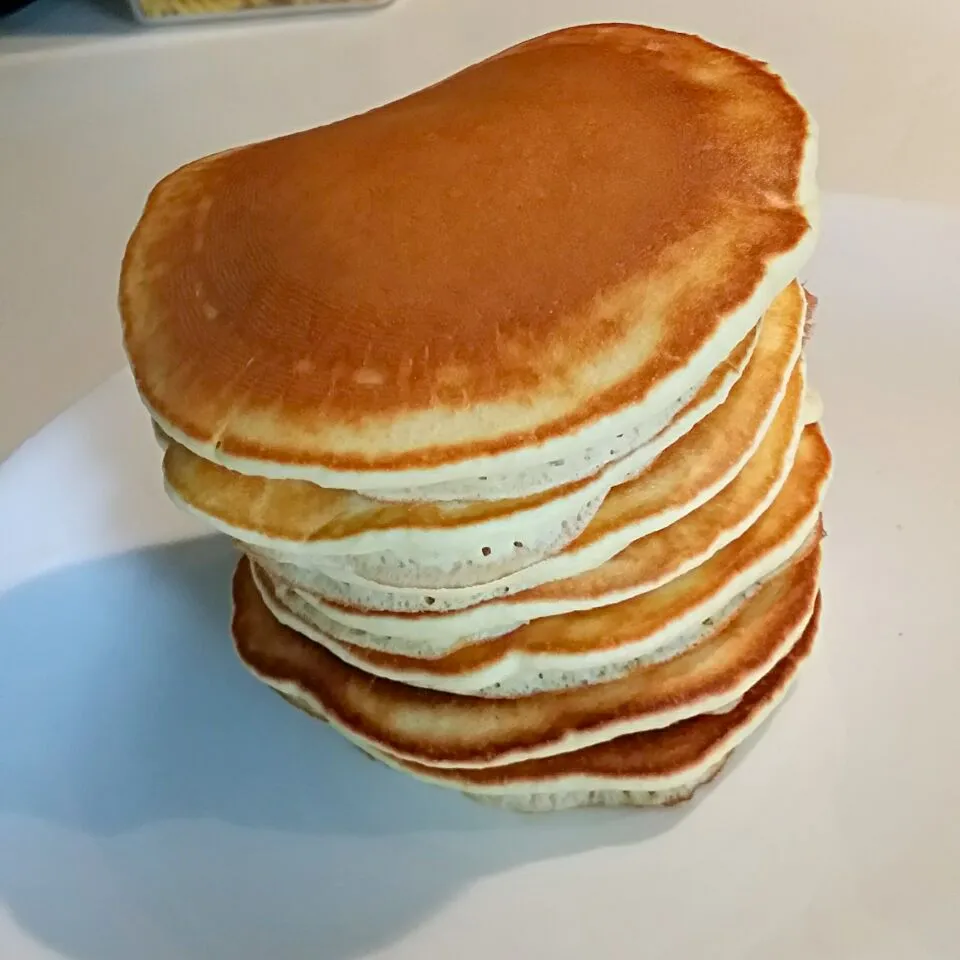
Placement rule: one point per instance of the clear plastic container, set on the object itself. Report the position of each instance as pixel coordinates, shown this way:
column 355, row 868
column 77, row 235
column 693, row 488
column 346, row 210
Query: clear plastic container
column 179, row 11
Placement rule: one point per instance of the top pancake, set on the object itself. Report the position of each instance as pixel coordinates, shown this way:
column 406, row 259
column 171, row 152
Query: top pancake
column 532, row 256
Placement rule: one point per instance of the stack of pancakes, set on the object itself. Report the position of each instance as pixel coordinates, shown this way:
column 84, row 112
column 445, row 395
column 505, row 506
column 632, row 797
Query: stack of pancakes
column 500, row 390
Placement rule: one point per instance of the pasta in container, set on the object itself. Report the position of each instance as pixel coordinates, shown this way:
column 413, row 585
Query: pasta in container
column 174, row 11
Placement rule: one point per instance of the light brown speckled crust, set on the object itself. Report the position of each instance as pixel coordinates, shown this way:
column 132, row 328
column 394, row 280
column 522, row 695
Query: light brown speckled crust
column 454, row 730
column 497, row 260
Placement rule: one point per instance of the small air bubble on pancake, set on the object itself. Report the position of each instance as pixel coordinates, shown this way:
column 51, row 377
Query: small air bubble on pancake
column 486, row 551
column 518, row 544
column 430, row 601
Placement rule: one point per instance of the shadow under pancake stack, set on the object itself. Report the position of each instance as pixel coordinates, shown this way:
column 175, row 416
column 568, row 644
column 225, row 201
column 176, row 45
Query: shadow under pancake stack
column 500, row 389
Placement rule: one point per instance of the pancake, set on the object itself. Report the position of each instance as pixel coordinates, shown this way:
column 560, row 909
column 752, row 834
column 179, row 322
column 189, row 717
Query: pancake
column 535, row 261
column 595, row 646
column 649, row 768
column 574, row 649
column 591, row 792
column 510, row 676
column 645, row 499
column 595, row 639
column 299, row 522
column 678, row 757
column 448, row 730
column 638, row 568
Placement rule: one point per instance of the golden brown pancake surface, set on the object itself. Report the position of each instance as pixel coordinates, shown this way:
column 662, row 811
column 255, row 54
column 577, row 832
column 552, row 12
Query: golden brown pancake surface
column 495, row 261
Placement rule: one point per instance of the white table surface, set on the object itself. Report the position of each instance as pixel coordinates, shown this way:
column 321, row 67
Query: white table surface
column 93, row 111
column 156, row 803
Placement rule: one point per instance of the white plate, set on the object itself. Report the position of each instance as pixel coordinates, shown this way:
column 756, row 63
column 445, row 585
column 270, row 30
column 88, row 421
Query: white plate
column 158, row 804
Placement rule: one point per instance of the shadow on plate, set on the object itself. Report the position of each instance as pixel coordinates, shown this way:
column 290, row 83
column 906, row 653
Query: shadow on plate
column 157, row 802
